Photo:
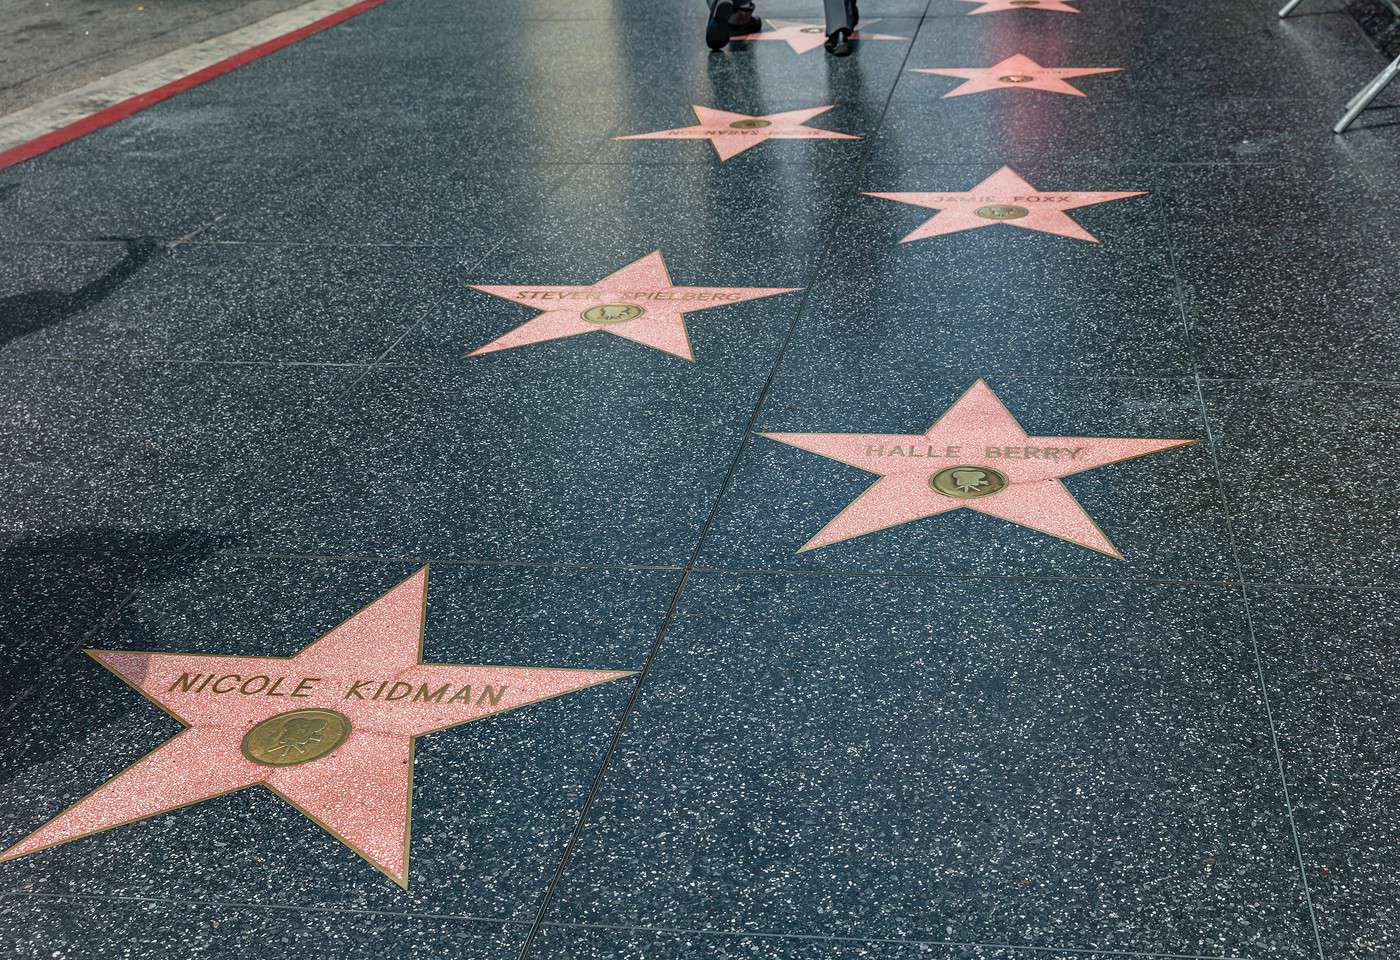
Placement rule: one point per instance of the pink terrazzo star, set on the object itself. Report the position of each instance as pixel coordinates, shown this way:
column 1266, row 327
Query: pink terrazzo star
column 1017, row 72
column 1007, row 199
column 976, row 457
column 996, row 6
column 733, row 133
column 637, row 303
column 330, row 730
column 808, row 36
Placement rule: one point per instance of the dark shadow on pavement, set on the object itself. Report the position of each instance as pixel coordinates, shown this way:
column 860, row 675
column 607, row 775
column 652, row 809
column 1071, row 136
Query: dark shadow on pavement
column 24, row 313
column 56, row 588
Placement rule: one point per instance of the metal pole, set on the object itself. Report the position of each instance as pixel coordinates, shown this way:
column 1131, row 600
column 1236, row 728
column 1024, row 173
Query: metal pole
column 1361, row 94
column 1363, row 99
column 1289, row 7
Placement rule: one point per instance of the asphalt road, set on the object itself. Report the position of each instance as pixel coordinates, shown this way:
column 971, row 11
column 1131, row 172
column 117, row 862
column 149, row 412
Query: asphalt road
column 50, row 46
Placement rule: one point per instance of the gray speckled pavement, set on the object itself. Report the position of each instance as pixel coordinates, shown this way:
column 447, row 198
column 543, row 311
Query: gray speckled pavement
column 746, row 505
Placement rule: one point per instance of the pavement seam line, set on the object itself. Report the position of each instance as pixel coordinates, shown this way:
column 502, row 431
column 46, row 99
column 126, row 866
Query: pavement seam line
column 673, row 607
column 1242, row 583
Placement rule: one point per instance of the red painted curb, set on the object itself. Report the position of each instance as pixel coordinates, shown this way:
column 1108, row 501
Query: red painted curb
column 118, row 111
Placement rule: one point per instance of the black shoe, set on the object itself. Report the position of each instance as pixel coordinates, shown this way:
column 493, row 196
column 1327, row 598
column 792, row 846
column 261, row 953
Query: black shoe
column 839, row 43
column 717, row 30
column 742, row 21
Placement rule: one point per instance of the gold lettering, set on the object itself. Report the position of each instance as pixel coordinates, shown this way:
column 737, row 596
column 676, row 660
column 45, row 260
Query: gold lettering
column 493, row 693
column 185, row 682
column 422, row 695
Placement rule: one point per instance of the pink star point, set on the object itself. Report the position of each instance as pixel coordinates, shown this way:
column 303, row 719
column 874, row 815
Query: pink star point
column 1004, row 198
column 637, row 302
column 733, row 133
column 979, row 443
column 997, row 6
column 802, row 37
column 368, row 672
column 1017, row 72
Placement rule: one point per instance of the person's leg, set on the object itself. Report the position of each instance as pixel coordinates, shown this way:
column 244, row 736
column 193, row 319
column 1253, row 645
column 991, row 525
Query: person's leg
column 841, row 19
column 728, row 19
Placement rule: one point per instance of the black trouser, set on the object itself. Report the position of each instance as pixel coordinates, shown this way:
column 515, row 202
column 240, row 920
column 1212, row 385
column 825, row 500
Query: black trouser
column 840, row 15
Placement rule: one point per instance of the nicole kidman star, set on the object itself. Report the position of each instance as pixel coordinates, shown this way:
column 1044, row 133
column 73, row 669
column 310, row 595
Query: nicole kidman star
column 330, row 730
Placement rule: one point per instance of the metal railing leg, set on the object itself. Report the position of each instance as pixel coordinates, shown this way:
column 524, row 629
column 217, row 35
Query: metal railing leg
column 1289, row 7
column 1361, row 94
column 1368, row 93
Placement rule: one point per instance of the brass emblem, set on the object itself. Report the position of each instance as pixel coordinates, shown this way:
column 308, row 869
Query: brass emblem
column 750, row 124
column 967, row 482
column 1001, row 211
column 813, row 30
column 613, row 313
column 1015, row 78
column 297, row 736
